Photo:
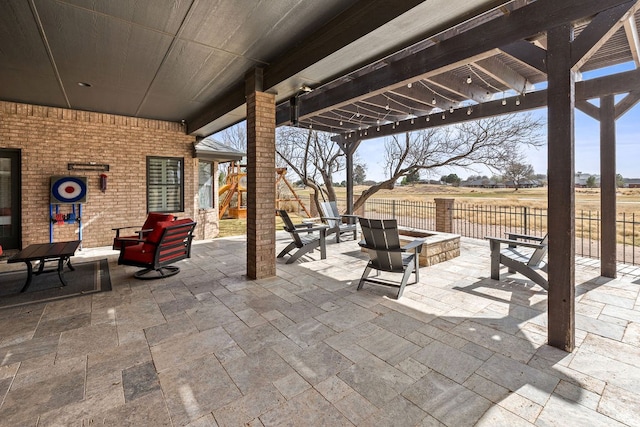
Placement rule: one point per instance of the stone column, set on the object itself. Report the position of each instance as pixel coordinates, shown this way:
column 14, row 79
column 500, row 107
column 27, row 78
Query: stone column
column 444, row 215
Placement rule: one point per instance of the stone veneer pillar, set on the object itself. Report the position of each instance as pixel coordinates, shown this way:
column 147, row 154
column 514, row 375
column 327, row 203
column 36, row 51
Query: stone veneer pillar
column 261, row 176
column 444, row 215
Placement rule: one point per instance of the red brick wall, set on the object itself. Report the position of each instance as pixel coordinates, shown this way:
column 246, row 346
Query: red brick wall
column 50, row 138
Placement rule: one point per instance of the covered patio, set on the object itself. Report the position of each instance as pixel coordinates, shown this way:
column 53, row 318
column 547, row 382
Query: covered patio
column 212, row 347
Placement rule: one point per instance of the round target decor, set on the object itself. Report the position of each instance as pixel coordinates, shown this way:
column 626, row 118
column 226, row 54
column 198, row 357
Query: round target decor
column 69, row 189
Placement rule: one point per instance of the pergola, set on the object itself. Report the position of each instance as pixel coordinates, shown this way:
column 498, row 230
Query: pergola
column 374, row 67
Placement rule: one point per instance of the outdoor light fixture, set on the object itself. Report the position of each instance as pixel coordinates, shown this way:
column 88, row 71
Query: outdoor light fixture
column 469, row 111
column 504, row 101
column 433, row 101
column 341, row 123
column 518, row 101
column 305, row 88
column 443, row 116
column 469, row 80
column 428, row 118
column 451, row 109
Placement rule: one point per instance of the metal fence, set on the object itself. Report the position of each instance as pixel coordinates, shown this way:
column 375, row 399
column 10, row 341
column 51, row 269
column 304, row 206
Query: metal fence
column 415, row 214
column 478, row 221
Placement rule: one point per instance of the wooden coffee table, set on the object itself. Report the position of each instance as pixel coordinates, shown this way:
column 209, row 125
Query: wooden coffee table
column 43, row 252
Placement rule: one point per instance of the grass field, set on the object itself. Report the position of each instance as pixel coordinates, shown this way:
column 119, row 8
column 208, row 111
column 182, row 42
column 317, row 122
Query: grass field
column 587, row 199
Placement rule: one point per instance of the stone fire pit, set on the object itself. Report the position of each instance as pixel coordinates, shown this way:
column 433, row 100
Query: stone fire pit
column 438, row 247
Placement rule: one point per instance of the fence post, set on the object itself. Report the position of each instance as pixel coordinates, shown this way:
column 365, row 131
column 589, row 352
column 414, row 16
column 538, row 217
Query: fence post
column 526, row 220
column 444, row 215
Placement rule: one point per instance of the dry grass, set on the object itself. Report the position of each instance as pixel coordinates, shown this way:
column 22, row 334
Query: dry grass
column 587, row 199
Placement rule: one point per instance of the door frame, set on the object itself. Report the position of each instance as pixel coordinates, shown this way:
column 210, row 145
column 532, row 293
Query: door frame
column 14, row 241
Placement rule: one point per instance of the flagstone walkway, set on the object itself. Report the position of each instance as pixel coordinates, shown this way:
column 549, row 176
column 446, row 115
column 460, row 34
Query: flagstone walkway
column 209, row 347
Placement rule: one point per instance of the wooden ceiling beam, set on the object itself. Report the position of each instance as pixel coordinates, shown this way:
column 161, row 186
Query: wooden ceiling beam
column 588, row 108
column 631, row 30
column 626, row 103
column 588, row 89
column 527, row 53
column 504, row 74
column 461, row 88
column 599, row 30
column 532, row 101
column 362, row 18
column 520, row 24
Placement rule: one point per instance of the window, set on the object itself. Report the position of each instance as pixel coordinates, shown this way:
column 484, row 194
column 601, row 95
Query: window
column 165, row 184
column 205, row 185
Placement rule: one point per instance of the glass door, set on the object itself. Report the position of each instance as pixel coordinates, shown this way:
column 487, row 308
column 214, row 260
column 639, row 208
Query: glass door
column 10, row 230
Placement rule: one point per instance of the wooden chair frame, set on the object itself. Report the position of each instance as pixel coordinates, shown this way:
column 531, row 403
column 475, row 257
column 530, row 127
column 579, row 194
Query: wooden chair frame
column 304, row 236
column 382, row 241
column 528, row 262
column 338, row 223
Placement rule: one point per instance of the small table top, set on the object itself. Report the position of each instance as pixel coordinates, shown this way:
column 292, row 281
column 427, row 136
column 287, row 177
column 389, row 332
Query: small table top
column 44, row 251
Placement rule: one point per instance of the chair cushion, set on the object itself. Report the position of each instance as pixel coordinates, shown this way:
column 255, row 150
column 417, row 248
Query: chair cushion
column 154, row 217
column 156, row 234
column 137, row 253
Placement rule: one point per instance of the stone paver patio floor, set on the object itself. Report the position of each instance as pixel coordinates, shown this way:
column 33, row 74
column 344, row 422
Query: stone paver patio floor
column 209, row 347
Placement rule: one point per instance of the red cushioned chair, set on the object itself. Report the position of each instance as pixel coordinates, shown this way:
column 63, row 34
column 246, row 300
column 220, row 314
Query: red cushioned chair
column 152, row 219
column 168, row 242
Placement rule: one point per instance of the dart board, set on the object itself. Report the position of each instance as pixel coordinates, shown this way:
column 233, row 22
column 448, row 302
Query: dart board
column 68, row 189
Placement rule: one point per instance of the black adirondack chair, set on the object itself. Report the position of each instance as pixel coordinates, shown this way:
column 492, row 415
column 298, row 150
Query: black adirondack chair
column 306, row 238
column 524, row 254
column 338, row 224
column 382, row 241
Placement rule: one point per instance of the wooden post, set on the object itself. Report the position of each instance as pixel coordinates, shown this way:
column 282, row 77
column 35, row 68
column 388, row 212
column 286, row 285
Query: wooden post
column 561, row 163
column 261, row 188
column 349, row 148
column 608, row 186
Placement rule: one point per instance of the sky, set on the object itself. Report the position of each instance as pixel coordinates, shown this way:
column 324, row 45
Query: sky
column 587, row 144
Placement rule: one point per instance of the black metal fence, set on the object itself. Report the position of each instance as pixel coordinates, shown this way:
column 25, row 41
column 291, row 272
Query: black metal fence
column 415, row 214
column 478, row 221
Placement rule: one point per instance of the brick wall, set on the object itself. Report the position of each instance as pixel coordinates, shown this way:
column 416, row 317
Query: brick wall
column 50, row 138
column 261, row 193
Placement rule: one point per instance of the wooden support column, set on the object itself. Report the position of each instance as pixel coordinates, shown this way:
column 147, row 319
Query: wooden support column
column 561, row 163
column 349, row 149
column 261, row 164
column 608, row 186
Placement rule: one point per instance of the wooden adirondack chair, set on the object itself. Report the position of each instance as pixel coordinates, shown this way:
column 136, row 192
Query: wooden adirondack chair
column 338, row 224
column 382, row 241
column 524, row 254
column 306, row 237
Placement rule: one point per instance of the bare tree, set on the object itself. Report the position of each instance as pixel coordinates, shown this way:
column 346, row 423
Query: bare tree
column 517, row 172
column 492, row 142
column 313, row 157
column 235, row 137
